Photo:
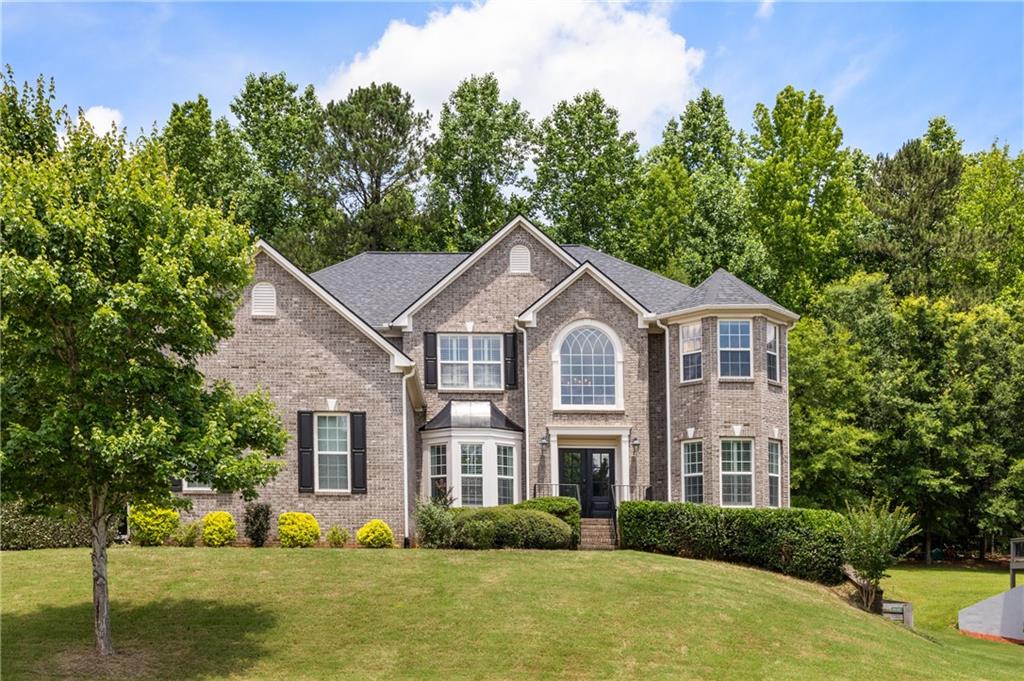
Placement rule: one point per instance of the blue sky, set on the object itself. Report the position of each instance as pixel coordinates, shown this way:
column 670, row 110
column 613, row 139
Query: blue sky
column 887, row 68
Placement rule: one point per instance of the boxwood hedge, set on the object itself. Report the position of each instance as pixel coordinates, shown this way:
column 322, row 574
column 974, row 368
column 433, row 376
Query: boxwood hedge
column 565, row 509
column 20, row 529
column 799, row 542
column 505, row 527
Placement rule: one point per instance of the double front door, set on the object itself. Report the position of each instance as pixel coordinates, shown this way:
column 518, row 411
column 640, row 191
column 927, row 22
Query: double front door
column 591, row 474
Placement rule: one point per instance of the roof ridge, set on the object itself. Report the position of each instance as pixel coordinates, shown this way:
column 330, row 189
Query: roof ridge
column 637, row 267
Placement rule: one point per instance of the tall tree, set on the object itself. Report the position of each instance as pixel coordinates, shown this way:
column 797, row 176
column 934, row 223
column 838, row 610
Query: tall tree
column 912, row 196
column 803, row 202
column 702, row 137
column 370, row 160
column 189, row 144
column 477, row 162
column 113, row 288
column 29, row 118
column 587, row 171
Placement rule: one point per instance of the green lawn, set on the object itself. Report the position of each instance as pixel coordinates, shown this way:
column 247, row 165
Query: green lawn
column 305, row 614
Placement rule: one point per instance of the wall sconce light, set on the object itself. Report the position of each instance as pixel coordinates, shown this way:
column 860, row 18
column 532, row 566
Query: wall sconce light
column 545, row 442
column 635, row 444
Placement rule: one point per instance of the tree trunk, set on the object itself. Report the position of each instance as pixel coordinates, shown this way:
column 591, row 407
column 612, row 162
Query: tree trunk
column 927, row 547
column 981, row 547
column 100, row 598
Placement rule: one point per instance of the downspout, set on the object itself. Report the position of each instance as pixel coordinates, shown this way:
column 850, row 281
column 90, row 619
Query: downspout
column 405, row 455
column 668, row 405
column 526, row 408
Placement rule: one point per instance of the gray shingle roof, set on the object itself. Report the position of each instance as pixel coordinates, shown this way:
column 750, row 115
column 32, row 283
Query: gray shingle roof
column 651, row 290
column 377, row 286
column 722, row 288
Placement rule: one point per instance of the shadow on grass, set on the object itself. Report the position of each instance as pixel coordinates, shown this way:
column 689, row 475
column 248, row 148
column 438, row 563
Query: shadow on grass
column 169, row 639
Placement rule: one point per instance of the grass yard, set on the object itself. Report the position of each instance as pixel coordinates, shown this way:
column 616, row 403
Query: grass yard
column 319, row 614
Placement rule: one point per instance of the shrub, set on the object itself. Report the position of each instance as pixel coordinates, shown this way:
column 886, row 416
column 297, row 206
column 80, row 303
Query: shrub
column 257, row 523
column 435, row 525
column 802, row 543
column 188, row 534
column 872, row 536
column 507, row 527
column 337, row 537
column 151, row 525
column 565, row 509
column 375, row 535
column 297, row 530
column 55, row 529
column 218, row 528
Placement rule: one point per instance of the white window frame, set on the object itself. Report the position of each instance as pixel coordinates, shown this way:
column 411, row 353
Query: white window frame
column 771, row 326
column 441, row 386
column 498, row 475
column 317, row 452
column 684, row 353
column 431, row 475
column 463, row 475
column 748, row 349
column 490, row 439
column 686, row 474
column 722, row 472
column 775, row 479
column 190, row 486
column 556, row 368
column 263, row 285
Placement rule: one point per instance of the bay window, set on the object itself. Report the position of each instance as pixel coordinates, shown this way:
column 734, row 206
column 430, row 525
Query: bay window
column 690, row 352
column 472, row 475
column 506, row 474
column 737, row 473
column 438, row 472
column 734, row 348
column 693, row 472
column 772, row 351
column 774, row 473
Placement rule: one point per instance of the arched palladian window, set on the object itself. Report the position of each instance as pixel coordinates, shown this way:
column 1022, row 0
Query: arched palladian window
column 588, row 360
column 264, row 300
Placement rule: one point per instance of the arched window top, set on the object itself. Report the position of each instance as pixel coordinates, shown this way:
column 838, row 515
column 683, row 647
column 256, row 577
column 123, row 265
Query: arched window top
column 519, row 260
column 589, row 373
column 264, row 300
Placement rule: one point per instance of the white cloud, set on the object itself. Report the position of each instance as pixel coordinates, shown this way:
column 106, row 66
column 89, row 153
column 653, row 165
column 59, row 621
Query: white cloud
column 765, row 9
column 541, row 53
column 101, row 118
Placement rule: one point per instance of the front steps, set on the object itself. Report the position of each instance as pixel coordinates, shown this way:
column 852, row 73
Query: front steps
column 597, row 534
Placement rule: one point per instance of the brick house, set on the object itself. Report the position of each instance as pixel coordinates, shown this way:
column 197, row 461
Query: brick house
column 522, row 369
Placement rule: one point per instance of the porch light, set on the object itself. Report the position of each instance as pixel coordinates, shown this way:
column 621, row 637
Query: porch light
column 545, row 442
column 635, row 444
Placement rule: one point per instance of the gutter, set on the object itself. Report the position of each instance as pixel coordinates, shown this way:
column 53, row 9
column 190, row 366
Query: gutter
column 526, row 407
column 668, row 405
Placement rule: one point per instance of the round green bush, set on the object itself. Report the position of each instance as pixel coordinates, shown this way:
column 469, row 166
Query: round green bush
column 435, row 526
column 218, row 528
column 297, row 530
column 151, row 525
column 507, row 527
column 565, row 509
column 337, row 537
column 376, row 535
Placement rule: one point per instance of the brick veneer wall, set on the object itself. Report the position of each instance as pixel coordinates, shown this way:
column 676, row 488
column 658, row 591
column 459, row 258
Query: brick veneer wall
column 587, row 299
column 304, row 356
column 713, row 406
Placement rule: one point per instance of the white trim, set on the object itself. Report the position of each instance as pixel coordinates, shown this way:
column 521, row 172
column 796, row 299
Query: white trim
column 470, row 362
column 777, row 476
column 186, row 486
column 749, row 348
column 489, row 439
column 769, row 325
column 700, row 337
column 683, row 475
column 404, row 318
column 348, row 452
column 721, row 473
column 399, row 361
column 556, row 368
column 528, row 317
column 781, row 314
column 604, row 434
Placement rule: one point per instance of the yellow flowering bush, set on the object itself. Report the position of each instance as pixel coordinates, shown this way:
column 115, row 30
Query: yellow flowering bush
column 151, row 525
column 218, row 528
column 297, row 530
column 376, row 535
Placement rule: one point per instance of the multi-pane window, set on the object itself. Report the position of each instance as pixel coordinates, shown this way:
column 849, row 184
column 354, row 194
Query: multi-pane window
column 693, row 472
column 734, row 348
column 470, row 362
column 332, row 452
column 772, row 347
column 587, row 359
column 472, row 474
column 737, row 473
column 506, row 474
column 438, row 471
column 774, row 472
column 196, row 486
column 690, row 349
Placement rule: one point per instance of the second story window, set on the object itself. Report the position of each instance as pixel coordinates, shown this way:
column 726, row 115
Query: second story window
column 690, row 351
column 734, row 348
column 469, row 362
column 773, row 352
column 587, row 368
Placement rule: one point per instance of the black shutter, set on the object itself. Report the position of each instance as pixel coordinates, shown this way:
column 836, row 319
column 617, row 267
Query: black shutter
column 357, row 419
column 305, row 431
column 430, row 360
column 176, row 485
column 511, row 363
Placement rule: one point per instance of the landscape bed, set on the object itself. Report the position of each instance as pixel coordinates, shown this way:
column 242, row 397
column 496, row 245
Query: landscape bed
column 182, row 613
